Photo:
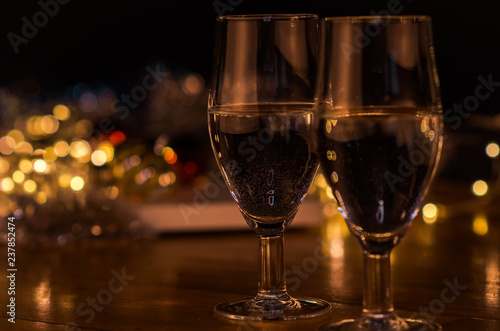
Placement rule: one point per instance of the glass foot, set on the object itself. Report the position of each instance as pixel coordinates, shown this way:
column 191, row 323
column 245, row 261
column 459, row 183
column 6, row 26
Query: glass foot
column 272, row 309
column 400, row 325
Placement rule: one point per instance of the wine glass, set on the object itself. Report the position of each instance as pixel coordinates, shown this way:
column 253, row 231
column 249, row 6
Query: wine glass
column 379, row 124
column 262, row 133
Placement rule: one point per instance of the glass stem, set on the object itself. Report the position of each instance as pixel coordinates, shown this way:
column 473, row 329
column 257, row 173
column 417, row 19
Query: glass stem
column 272, row 267
column 377, row 291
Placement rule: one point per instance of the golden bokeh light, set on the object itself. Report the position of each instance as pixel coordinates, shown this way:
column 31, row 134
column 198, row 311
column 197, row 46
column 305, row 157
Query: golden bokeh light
column 41, row 197
column 334, row 177
column 80, row 150
column 4, row 166
column 49, row 124
column 430, row 213
column 77, row 183
column 331, row 155
column 61, row 148
column 112, row 192
column 169, row 155
column 50, row 154
column 61, row 112
column 96, row 230
column 18, row 176
column 64, row 180
column 7, row 185
column 25, row 166
column 98, row 158
column 480, row 225
column 17, row 135
column 39, row 165
column 108, row 149
column 30, row 186
column 7, row 145
column 492, row 150
column 193, row 84
column 24, row 147
column 479, row 188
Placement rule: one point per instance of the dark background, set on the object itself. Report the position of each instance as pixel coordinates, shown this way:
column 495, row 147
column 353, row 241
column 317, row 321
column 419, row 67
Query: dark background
column 109, row 43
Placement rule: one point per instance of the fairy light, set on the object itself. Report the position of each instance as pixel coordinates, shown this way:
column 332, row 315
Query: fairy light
column 492, row 150
column 479, row 188
column 61, row 148
column 24, row 147
column 169, row 155
column 4, row 166
column 7, row 145
column 50, row 154
column 96, row 230
column 480, row 225
column 41, row 197
column 17, row 135
column 108, row 150
column 7, row 185
column 25, row 166
column 98, row 158
column 30, row 186
column 64, row 180
column 77, row 183
column 18, row 176
column 61, row 112
column 430, row 213
column 40, row 165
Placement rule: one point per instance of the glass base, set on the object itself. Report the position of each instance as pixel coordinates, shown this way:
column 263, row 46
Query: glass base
column 252, row 309
column 400, row 325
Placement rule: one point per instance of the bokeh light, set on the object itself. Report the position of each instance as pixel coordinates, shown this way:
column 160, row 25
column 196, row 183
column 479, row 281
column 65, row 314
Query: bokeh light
column 7, row 145
column 480, row 225
column 430, row 213
column 25, row 166
column 41, row 197
column 7, row 185
column 30, row 186
column 169, row 155
column 24, row 147
column 18, row 176
column 64, row 180
column 98, row 158
column 479, row 188
column 61, row 112
column 17, row 135
column 61, row 148
column 4, row 166
column 50, row 154
column 39, row 165
column 77, row 183
column 492, row 150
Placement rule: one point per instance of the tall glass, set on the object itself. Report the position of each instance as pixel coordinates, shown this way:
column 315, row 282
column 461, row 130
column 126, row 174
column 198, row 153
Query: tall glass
column 379, row 138
column 261, row 128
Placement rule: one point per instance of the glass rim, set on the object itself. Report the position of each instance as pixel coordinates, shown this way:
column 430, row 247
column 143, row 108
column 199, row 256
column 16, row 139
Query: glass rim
column 378, row 18
column 267, row 17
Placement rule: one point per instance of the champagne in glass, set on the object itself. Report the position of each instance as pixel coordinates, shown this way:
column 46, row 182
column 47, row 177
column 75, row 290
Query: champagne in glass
column 379, row 139
column 262, row 132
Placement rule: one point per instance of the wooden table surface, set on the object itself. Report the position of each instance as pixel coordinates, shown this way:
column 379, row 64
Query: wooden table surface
column 173, row 282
